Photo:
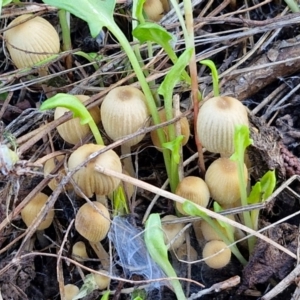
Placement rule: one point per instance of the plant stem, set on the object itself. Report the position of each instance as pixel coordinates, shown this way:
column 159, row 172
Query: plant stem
column 292, row 5
column 195, row 94
column 243, row 192
column 234, row 249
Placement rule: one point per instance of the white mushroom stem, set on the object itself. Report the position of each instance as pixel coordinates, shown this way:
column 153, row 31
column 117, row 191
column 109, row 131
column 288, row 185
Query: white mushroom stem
column 126, row 152
column 102, row 255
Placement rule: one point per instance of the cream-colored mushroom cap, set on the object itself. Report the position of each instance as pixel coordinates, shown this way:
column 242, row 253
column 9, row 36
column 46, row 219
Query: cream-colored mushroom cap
column 216, row 123
column 194, row 189
column 217, row 261
column 72, row 131
column 102, row 281
column 79, row 251
column 71, row 291
column 91, row 224
column 123, row 112
column 154, row 9
column 87, row 178
column 32, row 41
column 223, row 181
column 33, row 208
column 171, row 231
column 185, row 130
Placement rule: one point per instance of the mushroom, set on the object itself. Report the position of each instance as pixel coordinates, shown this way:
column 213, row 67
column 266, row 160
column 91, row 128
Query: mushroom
column 124, row 112
column 73, row 131
column 194, row 189
column 154, row 10
column 101, row 280
column 30, row 39
column 79, row 251
column 213, row 260
column 171, row 232
column 223, row 181
column 71, row 291
column 31, row 210
column 93, row 223
column 87, row 178
column 216, row 123
column 184, row 125
column 186, row 254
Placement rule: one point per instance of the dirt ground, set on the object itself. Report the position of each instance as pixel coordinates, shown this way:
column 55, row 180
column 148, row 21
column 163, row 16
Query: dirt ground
column 255, row 47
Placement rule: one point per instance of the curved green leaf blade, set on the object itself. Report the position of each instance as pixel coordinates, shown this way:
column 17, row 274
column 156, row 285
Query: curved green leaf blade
column 97, row 13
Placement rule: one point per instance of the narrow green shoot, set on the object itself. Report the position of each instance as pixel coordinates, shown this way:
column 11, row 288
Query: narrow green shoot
column 260, row 192
column 174, row 146
column 214, row 73
column 241, row 142
column 192, row 210
column 78, row 109
column 119, row 202
column 293, row 5
column 154, row 240
column 91, row 57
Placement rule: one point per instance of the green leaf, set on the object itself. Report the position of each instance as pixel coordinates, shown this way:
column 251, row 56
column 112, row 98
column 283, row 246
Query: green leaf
column 139, row 10
column 255, row 195
column 173, row 76
column 214, row 73
column 152, row 32
column 190, row 208
column 89, row 285
column 174, row 147
column 105, row 296
column 70, row 102
column 154, row 240
column 268, row 184
column 241, row 142
column 97, row 13
column 77, row 108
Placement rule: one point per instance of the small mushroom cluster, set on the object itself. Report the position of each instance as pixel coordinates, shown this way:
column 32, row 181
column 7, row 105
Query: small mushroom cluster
column 217, row 135
column 216, row 124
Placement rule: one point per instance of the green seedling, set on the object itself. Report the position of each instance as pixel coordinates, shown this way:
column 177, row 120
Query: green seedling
column 119, row 202
column 260, row 192
column 241, row 142
column 214, row 74
column 138, row 295
column 78, row 109
column 92, row 57
column 154, row 240
column 190, row 208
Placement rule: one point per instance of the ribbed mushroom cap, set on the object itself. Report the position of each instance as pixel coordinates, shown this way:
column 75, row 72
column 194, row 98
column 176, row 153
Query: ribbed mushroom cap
column 223, row 181
column 33, row 208
column 35, row 35
column 185, row 130
column 194, row 189
column 216, row 123
column 154, row 9
column 171, row 231
column 87, row 178
column 220, row 260
column 72, row 131
column 91, row 224
column 123, row 112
